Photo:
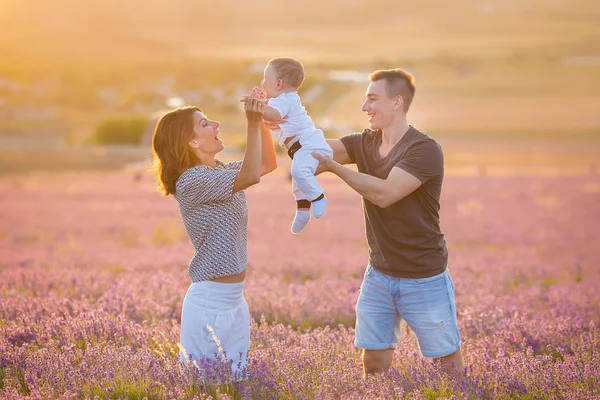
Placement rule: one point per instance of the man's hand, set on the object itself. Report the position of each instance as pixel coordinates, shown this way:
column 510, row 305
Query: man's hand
column 272, row 125
column 325, row 163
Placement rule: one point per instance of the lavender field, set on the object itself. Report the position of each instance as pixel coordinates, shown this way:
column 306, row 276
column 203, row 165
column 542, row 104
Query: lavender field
column 93, row 270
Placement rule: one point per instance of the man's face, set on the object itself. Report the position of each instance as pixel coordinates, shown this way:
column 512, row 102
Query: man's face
column 380, row 109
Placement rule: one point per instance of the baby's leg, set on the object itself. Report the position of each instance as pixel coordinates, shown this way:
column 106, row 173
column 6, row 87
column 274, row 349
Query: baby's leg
column 303, row 209
column 304, row 166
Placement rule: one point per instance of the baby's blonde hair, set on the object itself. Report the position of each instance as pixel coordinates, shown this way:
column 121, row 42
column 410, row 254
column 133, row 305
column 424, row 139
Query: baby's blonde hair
column 289, row 70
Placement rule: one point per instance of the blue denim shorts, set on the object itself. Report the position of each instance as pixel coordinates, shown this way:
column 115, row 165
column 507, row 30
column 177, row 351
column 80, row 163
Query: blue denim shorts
column 427, row 305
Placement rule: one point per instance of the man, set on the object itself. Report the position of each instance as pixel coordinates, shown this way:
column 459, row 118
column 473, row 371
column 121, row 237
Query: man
column 400, row 173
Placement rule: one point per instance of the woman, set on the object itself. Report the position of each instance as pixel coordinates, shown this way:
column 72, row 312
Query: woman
column 215, row 321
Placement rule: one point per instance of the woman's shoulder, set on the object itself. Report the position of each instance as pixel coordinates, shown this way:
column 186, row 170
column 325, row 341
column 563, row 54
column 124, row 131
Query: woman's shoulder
column 192, row 174
column 199, row 173
column 195, row 170
column 202, row 169
column 233, row 165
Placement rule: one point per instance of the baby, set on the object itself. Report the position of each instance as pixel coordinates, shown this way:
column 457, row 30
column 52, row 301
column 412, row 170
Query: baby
column 282, row 78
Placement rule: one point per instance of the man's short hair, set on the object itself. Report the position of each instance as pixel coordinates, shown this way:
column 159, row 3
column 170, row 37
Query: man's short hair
column 398, row 82
column 289, row 70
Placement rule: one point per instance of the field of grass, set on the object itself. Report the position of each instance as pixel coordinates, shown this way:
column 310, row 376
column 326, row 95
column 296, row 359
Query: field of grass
column 471, row 155
column 93, row 261
column 94, row 270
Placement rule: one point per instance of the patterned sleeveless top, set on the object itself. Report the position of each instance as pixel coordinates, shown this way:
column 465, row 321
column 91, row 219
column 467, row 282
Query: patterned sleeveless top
column 216, row 220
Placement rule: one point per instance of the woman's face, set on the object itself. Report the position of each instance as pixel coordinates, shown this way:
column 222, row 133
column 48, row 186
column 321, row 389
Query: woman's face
column 206, row 133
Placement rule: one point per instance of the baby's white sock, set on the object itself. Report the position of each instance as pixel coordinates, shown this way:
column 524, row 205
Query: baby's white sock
column 300, row 221
column 318, row 207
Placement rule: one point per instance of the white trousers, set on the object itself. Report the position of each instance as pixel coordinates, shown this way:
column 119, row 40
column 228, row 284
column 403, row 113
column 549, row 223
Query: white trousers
column 215, row 328
column 304, row 183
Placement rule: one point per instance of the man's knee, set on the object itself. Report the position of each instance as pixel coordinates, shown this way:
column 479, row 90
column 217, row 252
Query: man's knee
column 453, row 363
column 375, row 361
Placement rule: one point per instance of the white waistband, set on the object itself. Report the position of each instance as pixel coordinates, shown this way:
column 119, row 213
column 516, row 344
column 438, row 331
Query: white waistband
column 216, row 295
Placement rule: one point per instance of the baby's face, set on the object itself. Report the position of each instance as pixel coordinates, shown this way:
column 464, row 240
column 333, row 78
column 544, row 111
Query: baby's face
column 270, row 83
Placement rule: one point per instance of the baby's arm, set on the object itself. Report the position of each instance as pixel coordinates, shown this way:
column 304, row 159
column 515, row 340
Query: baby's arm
column 270, row 114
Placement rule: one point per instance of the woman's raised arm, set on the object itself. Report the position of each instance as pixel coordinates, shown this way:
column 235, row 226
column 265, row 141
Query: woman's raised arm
column 250, row 172
column 269, row 158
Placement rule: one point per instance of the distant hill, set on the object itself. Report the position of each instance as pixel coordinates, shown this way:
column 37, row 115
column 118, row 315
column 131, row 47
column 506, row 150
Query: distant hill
column 119, row 32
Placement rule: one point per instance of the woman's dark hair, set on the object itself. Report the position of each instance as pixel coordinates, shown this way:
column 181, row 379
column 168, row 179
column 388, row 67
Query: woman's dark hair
column 170, row 151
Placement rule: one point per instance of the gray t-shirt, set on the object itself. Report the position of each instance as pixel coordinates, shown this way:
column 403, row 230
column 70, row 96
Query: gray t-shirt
column 404, row 239
column 216, row 220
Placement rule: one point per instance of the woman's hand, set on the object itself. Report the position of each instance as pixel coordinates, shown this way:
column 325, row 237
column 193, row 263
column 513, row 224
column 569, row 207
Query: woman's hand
column 255, row 93
column 258, row 94
column 254, row 110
